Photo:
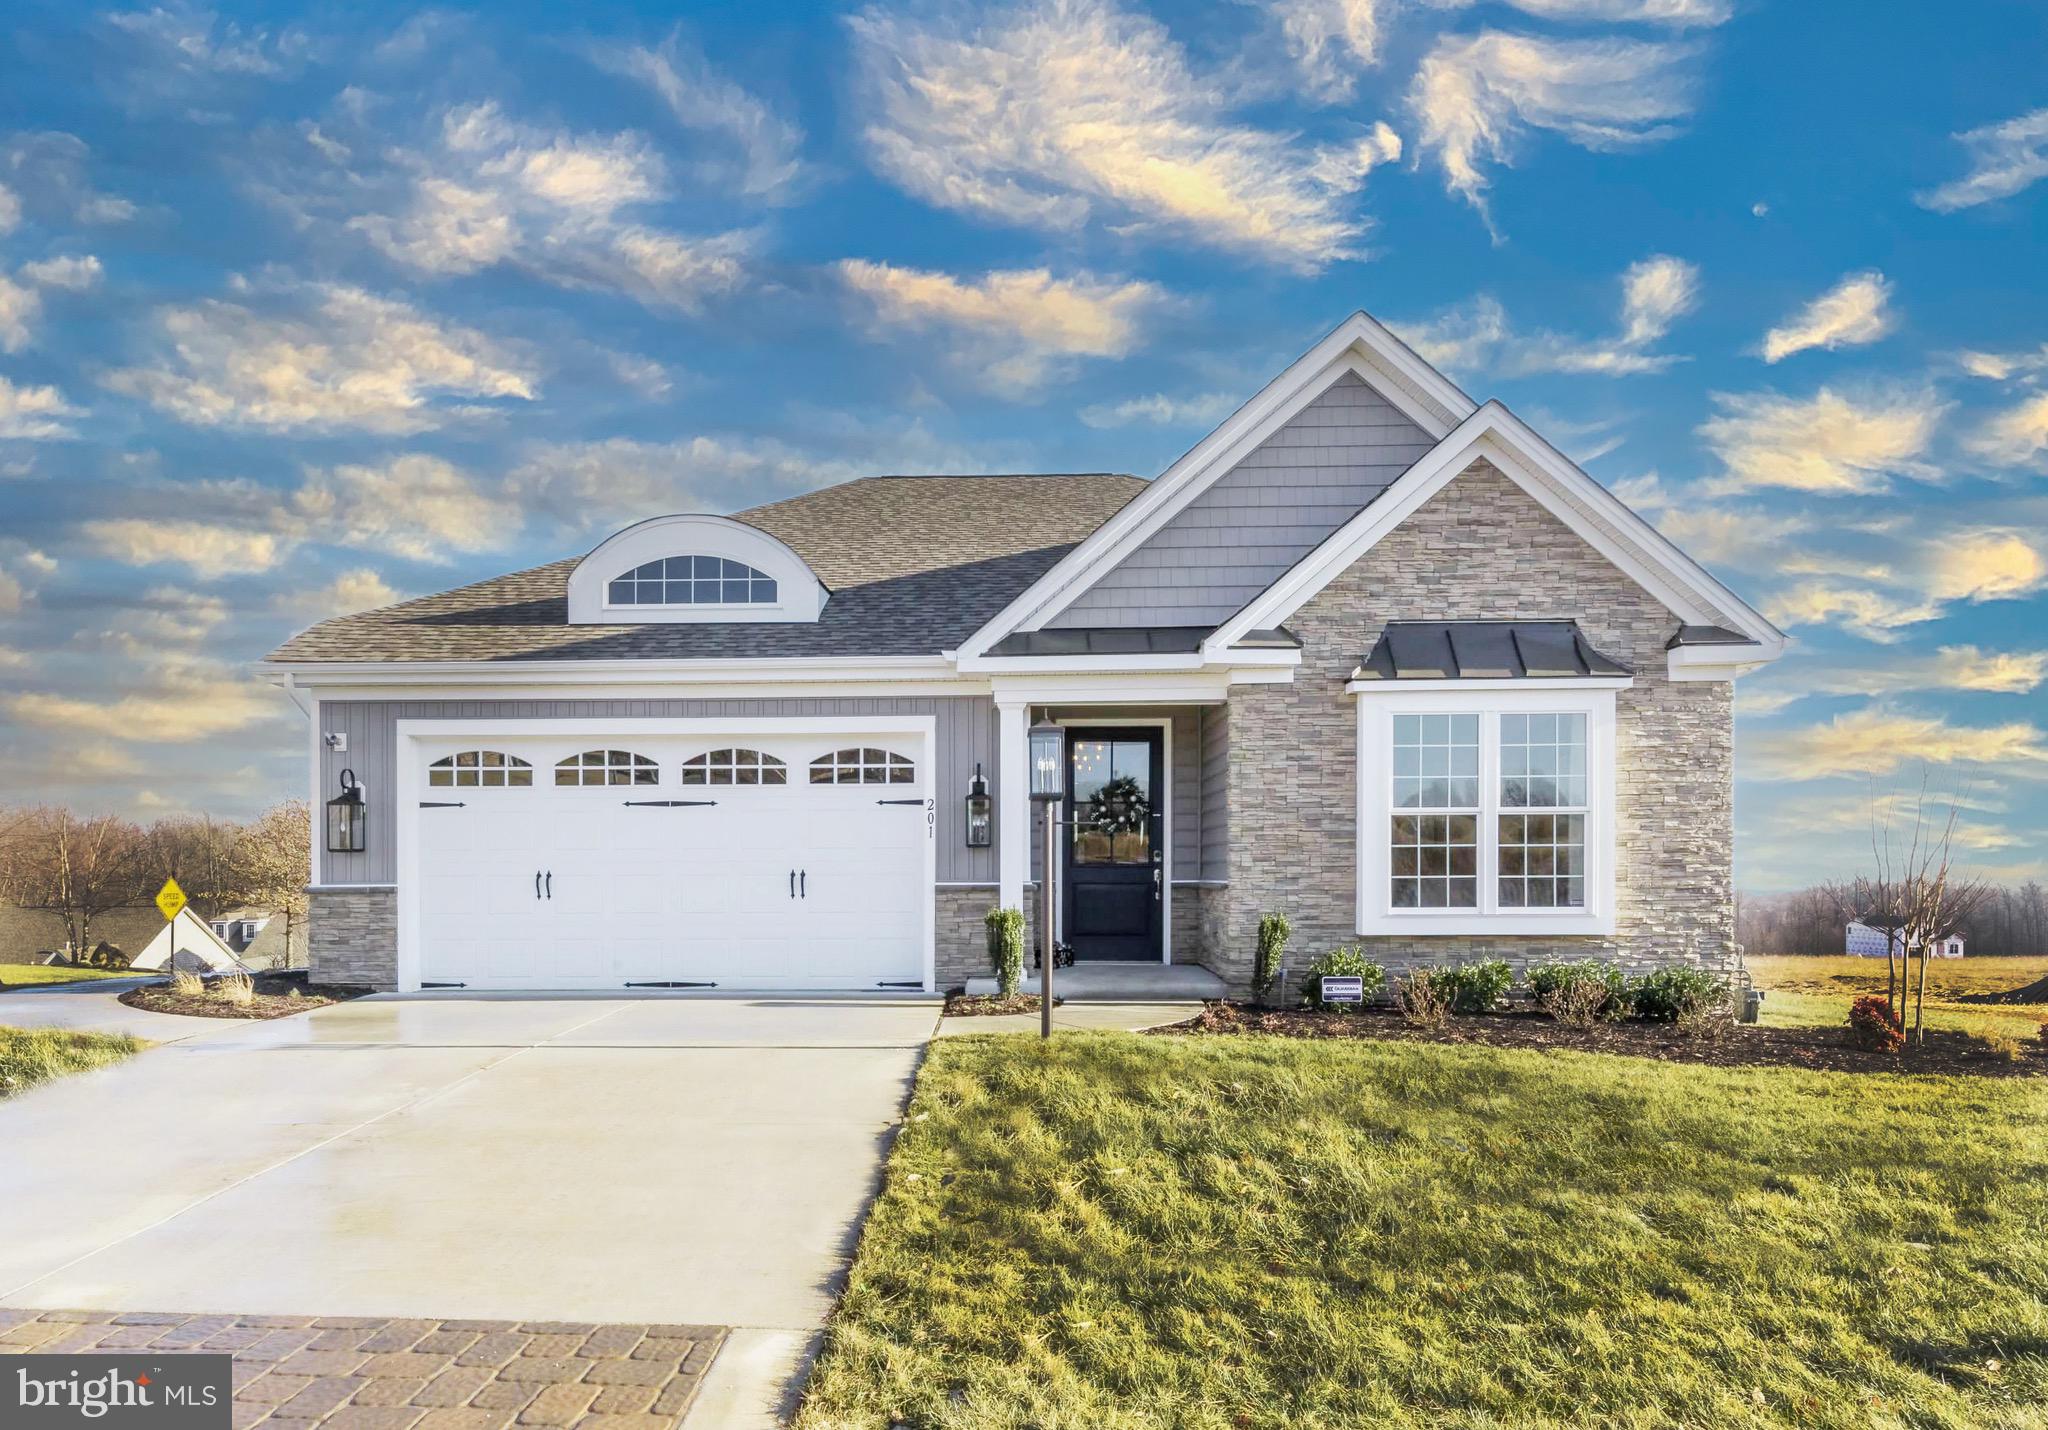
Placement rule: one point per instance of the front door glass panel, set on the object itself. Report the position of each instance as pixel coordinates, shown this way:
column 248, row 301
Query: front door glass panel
column 1112, row 785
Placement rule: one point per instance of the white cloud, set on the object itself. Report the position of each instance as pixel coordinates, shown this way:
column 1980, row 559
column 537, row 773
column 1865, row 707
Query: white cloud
column 1330, row 40
column 1853, row 312
column 361, row 589
column 414, row 506
column 19, row 308
column 485, row 191
column 74, row 274
column 177, row 700
column 348, row 360
column 1999, row 367
column 46, row 175
column 1015, row 326
column 1874, row 615
column 194, row 40
column 1677, row 13
column 10, row 210
column 1162, row 410
column 1984, row 565
column 1054, row 113
column 209, row 549
column 1877, row 741
column 1966, row 667
column 12, row 594
column 1828, row 443
column 2004, row 158
column 1475, row 93
column 2016, row 435
column 33, row 413
column 701, row 98
column 1902, row 584
column 1655, row 293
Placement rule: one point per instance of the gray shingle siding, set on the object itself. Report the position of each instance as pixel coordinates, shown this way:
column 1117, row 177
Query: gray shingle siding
column 1215, row 792
column 1257, row 521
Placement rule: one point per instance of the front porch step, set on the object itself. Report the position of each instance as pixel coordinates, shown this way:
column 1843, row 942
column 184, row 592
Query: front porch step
column 1119, row 983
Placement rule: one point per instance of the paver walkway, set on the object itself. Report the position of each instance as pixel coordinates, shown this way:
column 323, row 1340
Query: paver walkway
column 366, row 1373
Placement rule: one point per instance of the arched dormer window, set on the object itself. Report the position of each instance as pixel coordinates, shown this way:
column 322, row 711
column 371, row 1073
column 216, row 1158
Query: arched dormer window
column 692, row 581
column 480, row 769
column 684, row 569
column 735, row 767
column 867, row 766
column 607, row 767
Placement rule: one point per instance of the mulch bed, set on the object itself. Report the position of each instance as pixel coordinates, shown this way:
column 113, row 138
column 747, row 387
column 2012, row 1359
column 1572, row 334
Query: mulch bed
column 2035, row 992
column 990, row 1005
column 1821, row 1049
column 275, row 998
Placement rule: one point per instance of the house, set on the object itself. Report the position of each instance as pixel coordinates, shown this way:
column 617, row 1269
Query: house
column 1863, row 941
column 1370, row 653
column 261, row 938
column 40, row 935
column 188, row 942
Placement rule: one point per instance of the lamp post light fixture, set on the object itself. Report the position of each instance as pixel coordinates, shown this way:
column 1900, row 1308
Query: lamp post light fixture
column 348, row 817
column 1048, row 747
column 980, row 811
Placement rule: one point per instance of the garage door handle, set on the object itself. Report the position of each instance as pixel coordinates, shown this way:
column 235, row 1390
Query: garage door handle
column 536, row 883
column 803, row 884
column 792, row 883
column 551, row 894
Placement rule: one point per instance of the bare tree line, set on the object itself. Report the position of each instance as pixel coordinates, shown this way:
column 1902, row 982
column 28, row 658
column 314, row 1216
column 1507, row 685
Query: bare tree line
column 2011, row 919
column 79, row 868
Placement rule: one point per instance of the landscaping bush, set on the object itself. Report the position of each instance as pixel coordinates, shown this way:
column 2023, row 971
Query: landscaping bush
column 1581, row 992
column 1874, row 1027
column 1476, row 987
column 237, row 988
column 1273, row 933
column 1422, row 999
column 1340, row 963
column 187, row 984
column 1006, row 947
column 1672, row 993
column 2002, row 1045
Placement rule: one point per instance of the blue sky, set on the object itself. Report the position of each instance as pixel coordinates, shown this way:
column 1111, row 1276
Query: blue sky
column 304, row 311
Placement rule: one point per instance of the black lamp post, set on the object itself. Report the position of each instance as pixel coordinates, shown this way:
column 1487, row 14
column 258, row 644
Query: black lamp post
column 1048, row 747
column 980, row 811
column 348, row 817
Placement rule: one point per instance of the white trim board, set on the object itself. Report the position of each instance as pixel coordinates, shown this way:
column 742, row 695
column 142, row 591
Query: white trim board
column 1500, row 438
column 1359, row 345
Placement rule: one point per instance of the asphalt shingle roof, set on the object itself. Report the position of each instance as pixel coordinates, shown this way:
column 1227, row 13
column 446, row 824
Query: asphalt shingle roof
column 914, row 565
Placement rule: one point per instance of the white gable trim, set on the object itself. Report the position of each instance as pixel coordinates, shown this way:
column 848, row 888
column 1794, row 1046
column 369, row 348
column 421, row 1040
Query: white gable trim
column 1502, row 439
column 1360, row 345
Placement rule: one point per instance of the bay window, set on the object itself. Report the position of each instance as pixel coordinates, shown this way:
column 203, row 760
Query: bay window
column 1486, row 810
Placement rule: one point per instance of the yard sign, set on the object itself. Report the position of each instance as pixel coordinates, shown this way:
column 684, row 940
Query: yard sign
column 1349, row 989
column 170, row 900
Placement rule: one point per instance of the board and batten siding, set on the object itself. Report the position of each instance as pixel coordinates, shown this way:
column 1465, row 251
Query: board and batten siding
column 1254, row 523
column 966, row 727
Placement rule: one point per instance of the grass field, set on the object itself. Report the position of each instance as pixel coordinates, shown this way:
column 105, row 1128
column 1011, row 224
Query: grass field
column 1123, row 1231
column 30, row 975
column 32, row 1055
column 1808, row 991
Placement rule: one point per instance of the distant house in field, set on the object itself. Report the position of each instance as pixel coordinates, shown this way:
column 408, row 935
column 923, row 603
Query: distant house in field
column 36, row 935
column 262, row 938
column 1863, row 941
column 188, row 942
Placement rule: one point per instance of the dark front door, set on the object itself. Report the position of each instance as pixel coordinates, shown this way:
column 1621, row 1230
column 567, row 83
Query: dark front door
column 1116, row 843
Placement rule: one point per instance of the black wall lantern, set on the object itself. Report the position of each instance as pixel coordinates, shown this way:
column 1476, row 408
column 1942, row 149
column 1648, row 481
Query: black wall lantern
column 348, row 817
column 980, row 811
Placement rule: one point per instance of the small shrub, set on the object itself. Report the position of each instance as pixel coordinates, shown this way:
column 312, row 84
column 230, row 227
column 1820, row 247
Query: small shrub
column 1273, row 934
column 1707, row 1021
column 1476, row 987
column 1422, row 999
column 1671, row 993
column 1593, row 990
column 187, row 984
column 237, row 988
column 1006, row 947
column 2003, row 1045
column 1340, row 963
column 1874, row 1027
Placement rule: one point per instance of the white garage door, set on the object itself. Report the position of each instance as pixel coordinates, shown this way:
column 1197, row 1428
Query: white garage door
column 748, row 862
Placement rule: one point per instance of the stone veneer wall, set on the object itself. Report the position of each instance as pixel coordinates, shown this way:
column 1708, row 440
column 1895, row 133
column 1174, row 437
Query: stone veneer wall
column 1481, row 549
column 962, row 939
column 354, row 937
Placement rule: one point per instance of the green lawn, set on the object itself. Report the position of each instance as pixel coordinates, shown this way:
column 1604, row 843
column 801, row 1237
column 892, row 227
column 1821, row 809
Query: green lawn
column 1124, row 1231
column 28, row 975
column 1818, row 991
column 32, row 1055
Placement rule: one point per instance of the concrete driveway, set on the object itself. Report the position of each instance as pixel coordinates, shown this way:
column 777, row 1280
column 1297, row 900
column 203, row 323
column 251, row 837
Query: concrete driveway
column 686, row 1160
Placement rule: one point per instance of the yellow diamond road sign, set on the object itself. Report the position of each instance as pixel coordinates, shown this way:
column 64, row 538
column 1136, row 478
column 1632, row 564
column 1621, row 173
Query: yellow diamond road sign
column 170, row 899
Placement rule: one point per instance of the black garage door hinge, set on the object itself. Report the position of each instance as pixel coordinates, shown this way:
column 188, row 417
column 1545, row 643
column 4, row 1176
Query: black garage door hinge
column 918, row 802
column 442, row 804
column 670, row 983
column 669, row 803
column 444, row 985
column 918, row 986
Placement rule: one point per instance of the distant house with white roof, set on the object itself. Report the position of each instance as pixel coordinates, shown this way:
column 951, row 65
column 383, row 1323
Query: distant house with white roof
column 1863, row 941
